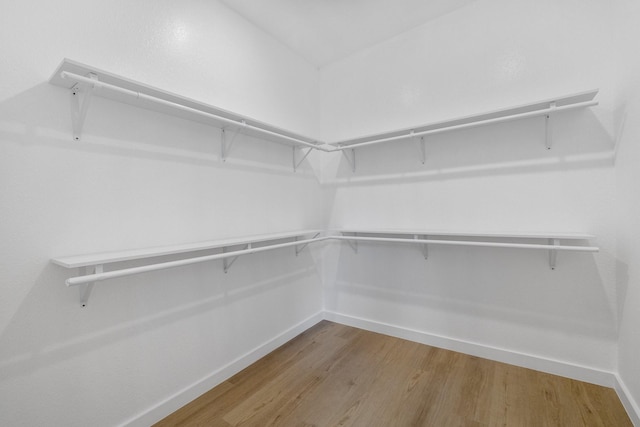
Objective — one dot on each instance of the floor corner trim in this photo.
(189, 393)
(551, 366)
(633, 410)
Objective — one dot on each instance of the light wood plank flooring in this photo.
(335, 375)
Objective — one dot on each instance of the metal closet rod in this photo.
(411, 134)
(140, 95)
(471, 243)
(97, 277)
(338, 146)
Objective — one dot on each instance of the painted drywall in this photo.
(628, 177)
(141, 179)
(485, 56)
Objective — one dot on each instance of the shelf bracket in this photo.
(548, 127)
(228, 262)
(225, 147)
(79, 107)
(421, 146)
(351, 160)
(553, 254)
(425, 248)
(354, 243)
(297, 163)
(85, 290)
(301, 248)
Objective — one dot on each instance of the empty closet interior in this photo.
(187, 187)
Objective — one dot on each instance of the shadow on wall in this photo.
(50, 326)
(579, 141)
(43, 113)
(505, 285)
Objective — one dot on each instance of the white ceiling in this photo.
(324, 31)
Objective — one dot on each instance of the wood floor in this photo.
(335, 375)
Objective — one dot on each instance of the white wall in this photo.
(628, 177)
(140, 179)
(488, 55)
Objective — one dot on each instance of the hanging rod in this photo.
(410, 134)
(97, 277)
(140, 95)
(469, 243)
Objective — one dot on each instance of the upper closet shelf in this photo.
(84, 80)
(537, 108)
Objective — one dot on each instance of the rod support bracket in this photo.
(228, 262)
(424, 246)
(79, 107)
(548, 139)
(300, 248)
(553, 254)
(225, 146)
(351, 158)
(296, 162)
(352, 243)
(86, 289)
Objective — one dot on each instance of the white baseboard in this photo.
(186, 395)
(556, 367)
(627, 401)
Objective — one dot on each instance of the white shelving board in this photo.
(532, 109)
(472, 234)
(93, 264)
(128, 255)
(550, 241)
(83, 70)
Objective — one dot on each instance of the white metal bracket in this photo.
(225, 146)
(297, 163)
(228, 262)
(85, 290)
(423, 150)
(351, 160)
(548, 127)
(79, 108)
(352, 243)
(553, 254)
(425, 248)
(300, 248)
(421, 147)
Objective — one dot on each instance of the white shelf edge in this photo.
(539, 107)
(130, 255)
(110, 79)
(492, 234)
(197, 111)
(94, 263)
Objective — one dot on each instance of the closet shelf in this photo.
(84, 81)
(550, 241)
(532, 109)
(94, 263)
(545, 108)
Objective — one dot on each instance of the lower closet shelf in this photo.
(231, 249)
(513, 240)
(94, 264)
